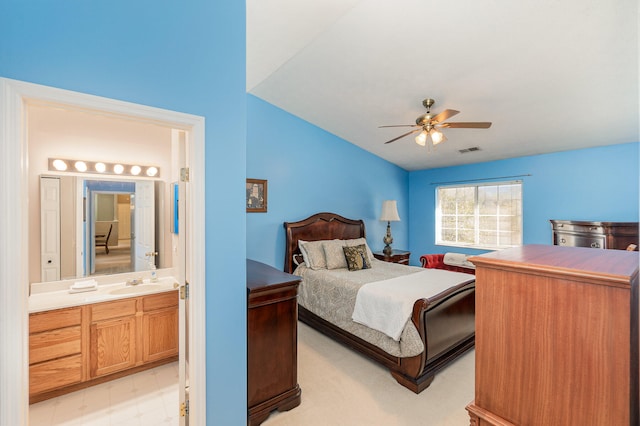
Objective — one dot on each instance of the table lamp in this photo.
(389, 214)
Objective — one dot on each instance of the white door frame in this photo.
(14, 273)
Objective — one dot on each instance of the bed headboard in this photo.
(320, 226)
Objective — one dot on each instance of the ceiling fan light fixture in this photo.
(426, 125)
(421, 139)
(437, 136)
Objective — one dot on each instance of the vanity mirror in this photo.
(101, 226)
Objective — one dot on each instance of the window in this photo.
(487, 216)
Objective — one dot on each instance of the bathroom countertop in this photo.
(57, 299)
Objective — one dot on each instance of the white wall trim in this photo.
(196, 264)
(14, 385)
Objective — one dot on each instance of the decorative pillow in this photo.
(298, 258)
(357, 242)
(357, 257)
(334, 254)
(313, 254)
(457, 259)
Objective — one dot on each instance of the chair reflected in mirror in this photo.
(103, 240)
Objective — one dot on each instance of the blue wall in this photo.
(182, 56)
(599, 184)
(310, 171)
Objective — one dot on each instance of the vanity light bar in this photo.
(100, 167)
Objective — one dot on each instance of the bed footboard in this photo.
(446, 327)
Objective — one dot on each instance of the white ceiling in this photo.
(552, 75)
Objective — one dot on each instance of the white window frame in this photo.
(476, 244)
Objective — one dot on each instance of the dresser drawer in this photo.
(575, 240)
(579, 227)
(54, 374)
(159, 301)
(108, 310)
(396, 256)
(50, 320)
(54, 344)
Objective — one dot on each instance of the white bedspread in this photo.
(387, 305)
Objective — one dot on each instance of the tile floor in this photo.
(146, 398)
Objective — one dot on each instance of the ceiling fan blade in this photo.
(400, 125)
(406, 134)
(467, 125)
(444, 115)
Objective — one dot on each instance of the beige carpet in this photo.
(117, 261)
(341, 387)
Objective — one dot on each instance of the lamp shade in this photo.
(389, 211)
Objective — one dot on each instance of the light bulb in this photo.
(437, 136)
(152, 171)
(421, 139)
(135, 170)
(118, 169)
(60, 165)
(100, 167)
(80, 166)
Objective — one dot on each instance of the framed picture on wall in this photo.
(256, 196)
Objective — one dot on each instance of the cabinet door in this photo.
(113, 345)
(160, 337)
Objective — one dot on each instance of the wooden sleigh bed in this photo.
(445, 324)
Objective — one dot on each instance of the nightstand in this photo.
(397, 256)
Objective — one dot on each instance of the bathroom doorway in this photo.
(16, 98)
(111, 215)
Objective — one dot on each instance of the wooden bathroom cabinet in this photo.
(73, 348)
(112, 336)
(159, 327)
(56, 357)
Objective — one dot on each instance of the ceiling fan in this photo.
(429, 125)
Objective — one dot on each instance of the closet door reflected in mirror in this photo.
(50, 228)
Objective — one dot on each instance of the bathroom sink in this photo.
(140, 288)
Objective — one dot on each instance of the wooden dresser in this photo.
(272, 341)
(556, 337)
(603, 235)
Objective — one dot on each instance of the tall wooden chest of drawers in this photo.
(603, 235)
(272, 341)
(556, 337)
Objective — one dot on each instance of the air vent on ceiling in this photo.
(472, 149)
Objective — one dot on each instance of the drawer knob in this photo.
(562, 240)
(595, 245)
